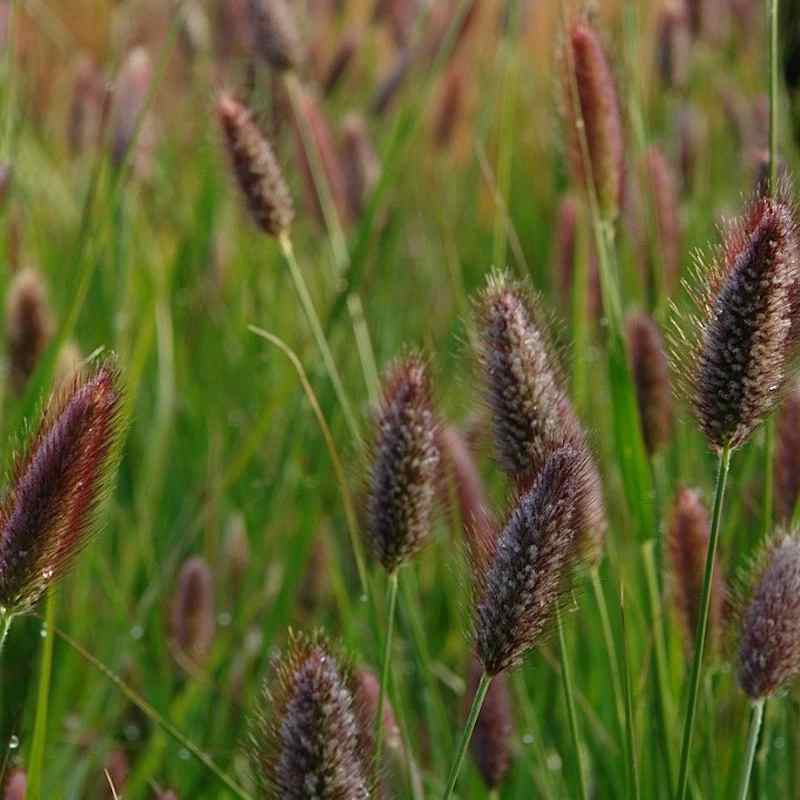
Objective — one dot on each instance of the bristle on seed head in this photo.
(404, 465)
(744, 333)
(57, 485)
(769, 646)
(255, 167)
(312, 741)
(529, 571)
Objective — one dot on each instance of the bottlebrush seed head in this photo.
(596, 106)
(687, 543)
(651, 376)
(745, 332)
(192, 619)
(769, 648)
(275, 33)
(50, 508)
(662, 188)
(29, 325)
(129, 103)
(313, 743)
(532, 562)
(404, 465)
(256, 168)
(673, 45)
(491, 741)
(787, 456)
(361, 166)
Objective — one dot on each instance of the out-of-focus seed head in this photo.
(130, 96)
(389, 85)
(491, 743)
(192, 619)
(29, 325)
(743, 334)
(16, 785)
(69, 366)
(114, 775)
(532, 563)
(687, 543)
(312, 741)
(594, 109)
(57, 486)
(361, 166)
(342, 58)
(275, 34)
(662, 189)
(450, 108)
(315, 582)
(235, 552)
(692, 136)
(566, 248)
(88, 106)
(651, 376)
(787, 456)
(399, 16)
(6, 173)
(368, 689)
(404, 465)
(769, 646)
(255, 167)
(673, 45)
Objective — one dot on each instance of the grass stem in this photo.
(391, 603)
(756, 717)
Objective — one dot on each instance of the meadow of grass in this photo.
(247, 443)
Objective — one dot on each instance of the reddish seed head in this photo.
(367, 692)
(596, 106)
(50, 507)
(746, 327)
(29, 325)
(275, 34)
(663, 191)
(404, 466)
(532, 563)
(451, 106)
(16, 785)
(491, 741)
(88, 106)
(769, 649)
(687, 543)
(787, 456)
(192, 614)
(131, 90)
(651, 376)
(673, 45)
(313, 742)
(360, 164)
(256, 168)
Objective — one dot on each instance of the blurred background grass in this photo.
(152, 256)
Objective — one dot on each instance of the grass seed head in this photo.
(275, 34)
(57, 485)
(787, 455)
(192, 613)
(404, 465)
(255, 167)
(769, 647)
(361, 166)
(662, 188)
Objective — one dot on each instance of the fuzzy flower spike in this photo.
(57, 486)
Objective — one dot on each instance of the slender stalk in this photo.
(756, 716)
(702, 622)
(566, 677)
(469, 727)
(391, 602)
(630, 733)
(319, 335)
(5, 625)
(772, 18)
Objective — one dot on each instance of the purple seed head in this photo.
(129, 103)
(29, 326)
(533, 560)
(404, 465)
(595, 110)
(57, 485)
(361, 166)
(192, 613)
(255, 167)
(662, 188)
(491, 743)
(651, 377)
(787, 455)
(312, 741)
(769, 647)
(744, 333)
(275, 34)
(16, 786)
(673, 45)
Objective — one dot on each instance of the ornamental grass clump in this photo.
(311, 740)
(57, 485)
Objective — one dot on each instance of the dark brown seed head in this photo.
(389, 85)
(662, 189)
(29, 325)
(313, 742)
(769, 649)
(746, 330)
(341, 61)
(651, 376)
(692, 135)
(16, 785)
(192, 619)
(275, 34)
(256, 168)
(687, 543)
(673, 45)
(595, 110)
(787, 456)
(361, 166)
(491, 742)
(404, 465)
(532, 563)
(57, 485)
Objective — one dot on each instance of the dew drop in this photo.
(137, 631)
(13, 743)
(224, 619)
(43, 631)
(132, 732)
(554, 762)
(184, 754)
(527, 739)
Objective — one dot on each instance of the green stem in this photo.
(752, 740)
(472, 719)
(391, 602)
(772, 14)
(566, 678)
(702, 622)
(5, 625)
(630, 735)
